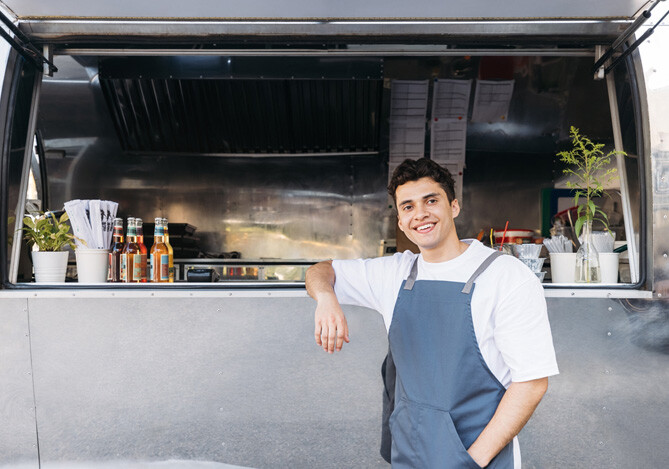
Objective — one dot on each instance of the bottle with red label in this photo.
(139, 226)
(116, 251)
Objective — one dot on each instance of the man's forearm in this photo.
(513, 412)
(320, 279)
(331, 329)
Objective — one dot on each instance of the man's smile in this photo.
(425, 227)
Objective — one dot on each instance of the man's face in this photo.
(425, 215)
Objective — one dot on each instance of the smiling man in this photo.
(467, 330)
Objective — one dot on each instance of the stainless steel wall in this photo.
(120, 382)
(323, 206)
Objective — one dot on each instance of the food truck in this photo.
(265, 133)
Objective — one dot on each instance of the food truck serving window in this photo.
(260, 176)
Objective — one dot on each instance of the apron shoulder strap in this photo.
(411, 279)
(484, 265)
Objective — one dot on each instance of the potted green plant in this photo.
(48, 235)
(590, 169)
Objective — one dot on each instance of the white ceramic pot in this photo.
(563, 267)
(50, 267)
(608, 265)
(92, 265)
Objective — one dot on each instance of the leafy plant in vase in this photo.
(49, 235)
(590, 168)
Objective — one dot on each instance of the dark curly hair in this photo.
(413, 170)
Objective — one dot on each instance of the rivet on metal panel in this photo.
(606, 372)
(601, 443)
(572, 293)
(34, 294)
(610, 309)
(153, 294)
(665, 255)
(608, 334)
(218, 310)
(74, 294)
(191, 294)
(113, 294)
(269, 293)
(230, 294)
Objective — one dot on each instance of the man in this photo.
(467, 328)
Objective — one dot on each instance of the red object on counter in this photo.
(513, 236)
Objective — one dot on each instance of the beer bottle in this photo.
(160, 258)
(131, 261)
(169, 249)
(115, 252)
(139, 224)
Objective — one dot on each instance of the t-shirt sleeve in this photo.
(372, 283)
(523, 334)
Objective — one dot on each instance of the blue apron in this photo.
(445, 394)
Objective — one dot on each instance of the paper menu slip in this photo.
(450, 98)
(492, 100)
(407, 138)
(408, 98)
(448, 140)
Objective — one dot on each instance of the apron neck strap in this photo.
(411, 279)
(484, 265)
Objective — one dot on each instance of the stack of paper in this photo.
(408, 109)
(92, 221)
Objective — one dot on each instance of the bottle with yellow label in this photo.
(131, 257)
(160, 256)
(169, 250)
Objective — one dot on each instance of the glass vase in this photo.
(587, 258)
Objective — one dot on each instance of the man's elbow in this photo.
(539, 388)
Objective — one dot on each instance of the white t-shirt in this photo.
(508, 304)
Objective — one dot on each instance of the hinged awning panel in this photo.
(325, 9)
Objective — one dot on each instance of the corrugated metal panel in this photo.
(245, 116)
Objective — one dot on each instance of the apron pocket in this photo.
(426, 437)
